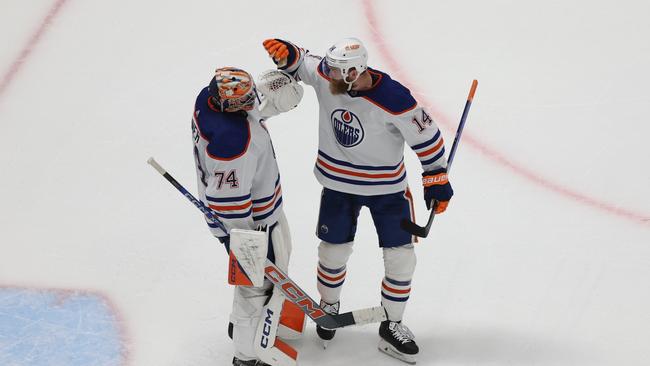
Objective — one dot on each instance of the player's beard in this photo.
(338, 87)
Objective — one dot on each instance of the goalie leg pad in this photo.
(268, 347)
(292, 319)
(281, 242)
(399, 266)
(248, 303)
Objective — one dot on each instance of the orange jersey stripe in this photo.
(409, 197)
(425, 153)
(275, 197)
(363, 175)
(231, 208)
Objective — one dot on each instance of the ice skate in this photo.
(398, 341)
(325, 334)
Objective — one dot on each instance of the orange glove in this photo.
(278, 50)
(441, 206)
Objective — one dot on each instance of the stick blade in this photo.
(369, 315)
(414, 229)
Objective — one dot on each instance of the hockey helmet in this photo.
(343, 56)
(232, 89)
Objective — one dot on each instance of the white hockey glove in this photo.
(280, 92)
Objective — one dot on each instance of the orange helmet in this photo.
(233, 89)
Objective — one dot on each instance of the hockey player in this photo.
(365, 118)
(238, 179)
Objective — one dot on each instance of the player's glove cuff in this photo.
(436, 177)
(437, 188)
(285, 54)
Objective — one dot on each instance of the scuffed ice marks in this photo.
(57, 328)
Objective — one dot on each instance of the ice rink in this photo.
(543, 257)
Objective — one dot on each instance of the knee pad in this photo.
(399, 262)
(334, 255)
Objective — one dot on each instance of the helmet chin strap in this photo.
(345, 79)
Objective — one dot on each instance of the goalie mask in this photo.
(232, 90)
(344, 56)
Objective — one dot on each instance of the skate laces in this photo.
(401, 332)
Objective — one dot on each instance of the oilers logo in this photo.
(347, 128)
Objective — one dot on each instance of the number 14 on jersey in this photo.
(423, 122)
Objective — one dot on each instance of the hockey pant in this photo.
(399, 266)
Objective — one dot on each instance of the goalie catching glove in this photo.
(280, 92)
(437, 188)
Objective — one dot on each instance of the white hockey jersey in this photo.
(237, 173)
(362, 133)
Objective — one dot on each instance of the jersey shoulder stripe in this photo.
(386, 93)
(228, 134)
(389, 95)
(319, 69)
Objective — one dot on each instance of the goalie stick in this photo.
(423, 231)
(281, 281)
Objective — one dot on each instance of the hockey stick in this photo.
(423, 231)
(281, 281)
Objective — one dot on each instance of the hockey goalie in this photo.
(239, 180)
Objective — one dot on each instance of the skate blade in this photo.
(388, 349)
(325, 344)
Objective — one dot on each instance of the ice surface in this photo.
(57, 328)
(534, 263)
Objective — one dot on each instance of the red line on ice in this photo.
(35, 38)
(7, 78)
(490, 152)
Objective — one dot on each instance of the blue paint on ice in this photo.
(55, 328)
